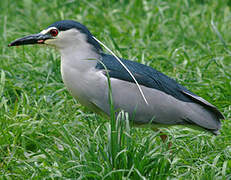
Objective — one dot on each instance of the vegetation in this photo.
(46, 134)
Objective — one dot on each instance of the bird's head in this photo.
(61, 34)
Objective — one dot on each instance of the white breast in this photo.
(83, 85)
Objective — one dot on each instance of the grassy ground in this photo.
(46, 134)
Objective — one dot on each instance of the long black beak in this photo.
(31, 39)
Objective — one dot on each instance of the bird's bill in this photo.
(31, 39)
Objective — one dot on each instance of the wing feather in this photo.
(152, 78)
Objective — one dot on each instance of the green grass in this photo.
(46, 134)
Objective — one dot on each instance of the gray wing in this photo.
(206, 104)
(145, 76)
(176, 100)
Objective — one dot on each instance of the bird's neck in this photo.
(81, 57)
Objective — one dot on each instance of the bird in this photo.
(149, 97)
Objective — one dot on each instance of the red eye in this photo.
(53, 32)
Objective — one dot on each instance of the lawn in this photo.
(46, 134)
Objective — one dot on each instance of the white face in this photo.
(65, 39)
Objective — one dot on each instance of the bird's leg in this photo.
(163, 137)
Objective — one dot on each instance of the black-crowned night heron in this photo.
(160, 101)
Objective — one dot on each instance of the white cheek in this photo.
(68, 35)
(50, 41)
